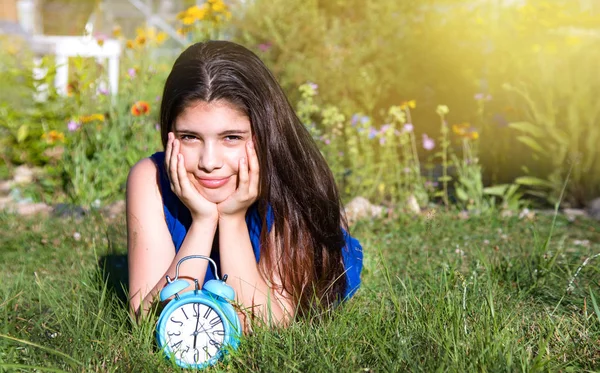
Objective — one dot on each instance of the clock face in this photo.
(194, 333)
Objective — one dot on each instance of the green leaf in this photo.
(461, 194)
(533, 181)
(531, 143)
(496, 190)
(445, 178)
(595, 304)
(528, 128)
(22, 133)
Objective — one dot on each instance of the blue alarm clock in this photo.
(197, 327)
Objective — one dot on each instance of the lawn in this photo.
(439, 293)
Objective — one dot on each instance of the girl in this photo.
(241, 181)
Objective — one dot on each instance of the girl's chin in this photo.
(216, 195)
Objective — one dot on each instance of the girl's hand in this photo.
(199, 207)
(247, 191)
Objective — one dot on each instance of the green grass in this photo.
(439, 294)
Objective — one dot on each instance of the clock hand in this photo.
(196, 330)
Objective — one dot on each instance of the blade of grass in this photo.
(31, 368)
(595, 304)
(50, 350)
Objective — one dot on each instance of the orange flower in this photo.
(53, 136)
(460, 129)
(140, 108)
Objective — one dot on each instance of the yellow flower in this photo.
(161, 37)
(474, 135)
(408, 104)
(100, 41)
(460, 129)
(91, 118)
(140, 40)
(53, 136)
(117, 32)
(130, 44)
(219, 7)
(188, 20)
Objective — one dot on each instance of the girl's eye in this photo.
(187, 137)
(233, 138)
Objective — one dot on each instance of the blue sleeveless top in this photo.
(178, 221)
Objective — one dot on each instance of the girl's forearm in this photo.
(198, 241)
(239, 263)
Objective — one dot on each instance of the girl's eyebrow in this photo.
(233, 132)
(223, 133)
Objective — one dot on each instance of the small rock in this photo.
(5, 186)
(526, 214)
(23, 175)
(593, 208)
(5, 202)
(28, 209)
(360, 208)
(573, 214)
(113, 210)
(63, 210)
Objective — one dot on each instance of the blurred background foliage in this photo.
(519, 78)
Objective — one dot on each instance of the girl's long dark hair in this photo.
(306, 253)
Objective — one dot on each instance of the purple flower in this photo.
(157, 98)
(314, 86)
(372, 133)
(73, 126)
(482, 97)
(382, 141)
(264, 47)
(327, 141)
(131, 72)
(365, 119)
(354, 120)
(385, 127)
(428, 143)
(103, 91)
(408, 127)
(431, 184)
(157, 127)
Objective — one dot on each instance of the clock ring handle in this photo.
(194, 257)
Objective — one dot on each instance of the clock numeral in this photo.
(176, 345)
(184, 314)
(214, 343)
(183, 352)
(215, 321)
(196, 355)
(207, 313)
(218, 332)
(196, 307)
(174, 334)
(205, 348)
(176, 321)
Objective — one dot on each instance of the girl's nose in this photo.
(210, 158)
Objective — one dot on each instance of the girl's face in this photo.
(213, 139)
